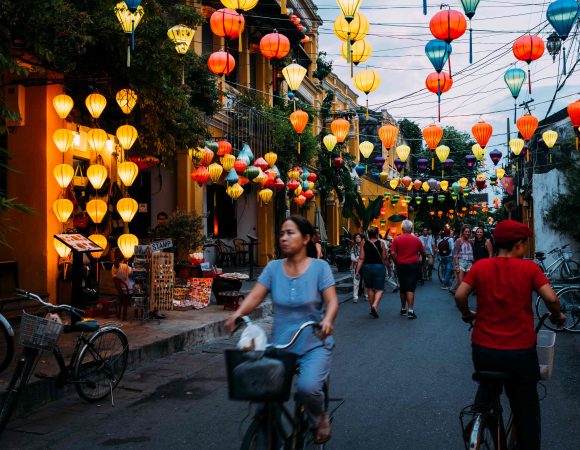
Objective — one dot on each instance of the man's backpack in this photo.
(443, 247)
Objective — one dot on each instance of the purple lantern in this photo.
(379, 162)
(470, 161)
(432, 183)
(495, 156)
(448, 164)
(399, 164)
(422, 164)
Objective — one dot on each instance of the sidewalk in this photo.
(149, 340)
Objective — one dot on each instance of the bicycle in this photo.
(486, 428)
(97, 364)
(569, 296)
(569, 269)
(266, 377)
(6, 343)
(441, 272)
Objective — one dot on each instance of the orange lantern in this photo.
(388, 134)
(224, 147)
(340, 128)
(528, 48)
(432, 135)
(274, 46)
(482, 132)
(439, 83)
(527, 125)
(240, 166)
(299, 120)
(574, 113)
(222, 64)
(200, 175)
(300, 200)
(206, 157)
(228, 24)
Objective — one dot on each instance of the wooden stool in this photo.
(231, 299)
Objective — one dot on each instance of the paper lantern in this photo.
(200, 175)
(351, 31)
(271, 158)
(240, 5)
(394, 183)
(206, 157)
(127, 208)
(221, 63)
(383, 177)
(442, 152)
(403, 152)
(215, 172)
(294, 74)
(337, 162)
(349, 8)
(438, 83)
(265, 195)
(444, 184)
(366, 148)
(181, 36)
(482, 132)
(127, 243)
(240, 166)
(96, 209)
(299, 120)
(448, 25)
(398, 164)
(329, 142)
(61, 248)
(62, 208)
(227, 23)
(528, 48)
(63, 105)
(340, 128)
(367, 81)
(463, 182)
(432, 135)
(422, 164)
(477, 151)
(360, 51)
(495, 156)
(127, 172)
(388, 134)
(470, 160)
(97, 175)
(95, 103)
(499, 172)
(63, 139)
(97, 139)
(261, 163)
(527, 125)
(438, 52)
(101, 241)
(63, 173)
(574, 113)
(300, 200)
(274, 46)
(228, 162)
(126, 99)
(550, 137)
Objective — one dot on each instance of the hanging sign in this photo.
(161, 245)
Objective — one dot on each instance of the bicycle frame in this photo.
(555, 265)
(65, 376)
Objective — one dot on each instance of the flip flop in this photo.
(323, 432)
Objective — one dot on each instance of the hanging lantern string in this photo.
(470, 45)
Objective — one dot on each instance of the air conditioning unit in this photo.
(15, 101)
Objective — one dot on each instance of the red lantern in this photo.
(299, 120)
(240, 166)
(227, 23)
(439, 83)
(279, 185)
(388, 135)
(221, 63)
(261, 163)
(308, 194)
(448, 25)
(340, 129)
(312, 177)
(242, 180)
(295, 19)
(337, 162)
(432, 135)
(574, 113)
(224, 147)
(300, 200)
(527, 125)
(274, 46)
(528, 48)
(206, 157)
(292, 184)
(383, 211)
(482, 132)
(200, 175)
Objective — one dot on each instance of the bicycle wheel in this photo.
(256, 437)
(570, 270)
(17, 384)
(484, 433)
(101, 364)
(6, 347)
(570, 305)
(441, 272)
(542, 309)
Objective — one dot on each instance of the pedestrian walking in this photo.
(391, 278)
(428, 242)
(371, 264)
(462, 255)
(445, 251)
(405, 251)
(358, 284)
(482, 247)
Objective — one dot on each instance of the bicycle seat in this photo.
(489, 376)
(540, 256)
(85, 326)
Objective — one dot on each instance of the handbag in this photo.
(79, 179)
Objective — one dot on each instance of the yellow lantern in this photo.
(96, 209)
(62, 249)
(235, 191)
(394, 183)
(425, 186)
(270, 158)
(63, 105)
(62, 208)
(294, 74)
(127, 208)
(215, 172)
(240, 5)
(516, 146)
(366, 148)
(298, 191)
(101, 241)
(360, 51)
(127, 243)
(294, 174)
(367, 81)
(127, 135)
(127, 172)
(96, 103)
(64, 174)
(444, 184)
(463, 182)
(351, 31)
(265, 195)
(97, 175)
(128, 20)
(63, 139)
(126, 99)
(311, 185)
(383, 177)
(478, 151)
(228, 162)
(442, 152)
(550, 137)
(97, 139)
(329, 142)
(349, 8)
(260, 178)
(403, 152)
(181, 36)
(499, 173)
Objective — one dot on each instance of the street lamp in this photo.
(554, 45)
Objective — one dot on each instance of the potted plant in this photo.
(185, 229)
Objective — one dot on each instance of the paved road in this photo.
(403, 382)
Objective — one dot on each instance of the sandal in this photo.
(323, 432)
(374, 312)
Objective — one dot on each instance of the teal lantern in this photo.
(232, 177)
(438, 52)
(247, 152)
(454, 196)
(562, 15)
(515, 78)
(469, 7)
(456, 188)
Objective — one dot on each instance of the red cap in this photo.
(510, 230)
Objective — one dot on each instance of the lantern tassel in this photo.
(449, 63)
(439, 107)
(367, 116)
(283, 9)
(274, 75)
(183, 74)
(515, 111)
(240, 41)
(298, 144)
(550, 158)
(128, 55)
(470, 43)
(563, 60)
(424, 7)
(529, 80)
(576, 143)
(432, 163)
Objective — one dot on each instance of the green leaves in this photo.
(354, 208)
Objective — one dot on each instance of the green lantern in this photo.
(418, 200)
(441, 198)
(394, 201)
(387, 195)
(454, 196)
(466, 193)
(212, 145)
(396, 197)
(456, 187)
(408, 198)
(383, 223)
(430, 199)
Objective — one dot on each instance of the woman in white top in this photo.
(122, 270)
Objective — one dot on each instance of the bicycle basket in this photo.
(260, 376)
(38, 332)
(567, 256)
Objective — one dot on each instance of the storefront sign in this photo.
(161, 245)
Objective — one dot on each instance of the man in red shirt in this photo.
(405, 251)
(503, 336)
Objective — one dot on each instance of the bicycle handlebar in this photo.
(32, 296)
(315, 325)
(558, 249)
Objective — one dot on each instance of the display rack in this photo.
(162, 281)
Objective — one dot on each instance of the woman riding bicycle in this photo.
(302, 289)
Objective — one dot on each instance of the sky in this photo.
(398, 34)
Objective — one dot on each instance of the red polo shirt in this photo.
(504, 286)
(407, 247)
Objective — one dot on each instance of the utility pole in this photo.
(526, 105)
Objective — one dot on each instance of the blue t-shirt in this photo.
(297, 300)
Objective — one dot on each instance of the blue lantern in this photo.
(132, 5)
(360, 170)
(232, 177)
(469, 7)
(438, 52)
(562, 15)
(515, 78)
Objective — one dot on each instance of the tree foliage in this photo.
(323, 66)
(412, 133)
(354, 208)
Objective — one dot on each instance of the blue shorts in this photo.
(374, 276)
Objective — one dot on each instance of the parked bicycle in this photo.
(266, 377)
(569, 296)
(483, 426)
(96, 366)
(569, 269)
(6, 343)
